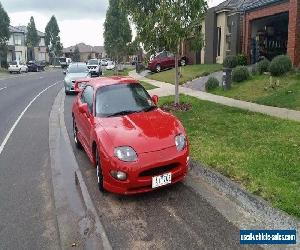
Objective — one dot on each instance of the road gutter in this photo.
(78, 221)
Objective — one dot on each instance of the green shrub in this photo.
(230, 62)
(205, 73)
(254, 70)
(263, 66)
(211, 83)
(280, 65)
(240, 73)
(242, 59)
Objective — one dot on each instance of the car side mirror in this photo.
(155, 99)
(83, 108)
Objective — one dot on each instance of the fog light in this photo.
(118, 175)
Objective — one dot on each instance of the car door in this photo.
(85, 120)
(163, 60)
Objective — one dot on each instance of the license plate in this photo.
(161, 180)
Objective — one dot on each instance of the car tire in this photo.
(19, 71)
(75, 131)
(182, 62)
(158, 68)
(99, 173)
(67, 92)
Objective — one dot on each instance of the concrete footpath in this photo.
(166, 89)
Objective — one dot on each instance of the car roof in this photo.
(112, 80)
(74, 64)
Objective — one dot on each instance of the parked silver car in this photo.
(74, 72)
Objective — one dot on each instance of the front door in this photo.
(85, 124)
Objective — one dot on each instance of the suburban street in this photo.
(164, 124)
(175, 217)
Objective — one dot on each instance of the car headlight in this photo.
(180, 142)
(125, 153)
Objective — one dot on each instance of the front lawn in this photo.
(124, 72)
(261, 153)
(281, 92)
(188, 73)
(147, 86)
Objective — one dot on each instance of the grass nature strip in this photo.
(188, 73)
(260, 152)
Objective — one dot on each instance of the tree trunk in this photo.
(176, 80)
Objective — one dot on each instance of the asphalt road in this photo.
(171, 218)
(27, 213)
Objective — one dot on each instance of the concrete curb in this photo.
(257, 207)
(81, 222)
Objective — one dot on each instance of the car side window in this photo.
(87, 97)
(170, 54)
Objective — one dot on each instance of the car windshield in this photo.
(14, 63)
(122, 99)
(77, 68)
(92, 62)
(62, 59)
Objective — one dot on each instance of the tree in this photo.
(4, 35)
(133, 47)
(166, 24)
(52, 38)
(76, 55)
(32, 37)
(117, 31)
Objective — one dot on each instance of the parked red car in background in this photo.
(165, 60)
(135, 146)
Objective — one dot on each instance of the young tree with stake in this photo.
(167, 23)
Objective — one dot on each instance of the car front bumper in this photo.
(148, 165)
(14, 69)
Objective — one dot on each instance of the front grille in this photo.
(158, 170)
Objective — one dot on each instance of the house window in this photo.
(219, 40)
(18, 39)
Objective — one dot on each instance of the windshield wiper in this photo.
(149, 108)
(124, 112)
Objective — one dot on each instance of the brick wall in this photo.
(294, 32)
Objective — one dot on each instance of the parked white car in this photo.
(17, 67)
(110, 65)
(103, 62)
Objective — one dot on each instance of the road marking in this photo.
(21, 115)
(3, 88)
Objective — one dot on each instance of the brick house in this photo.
(86, 51)
(257, 28)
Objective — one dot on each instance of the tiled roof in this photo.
(242, 5)
(24, 29)
(250, 4)
(84, 48)
(13, 29)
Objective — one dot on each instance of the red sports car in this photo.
(135, 146)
